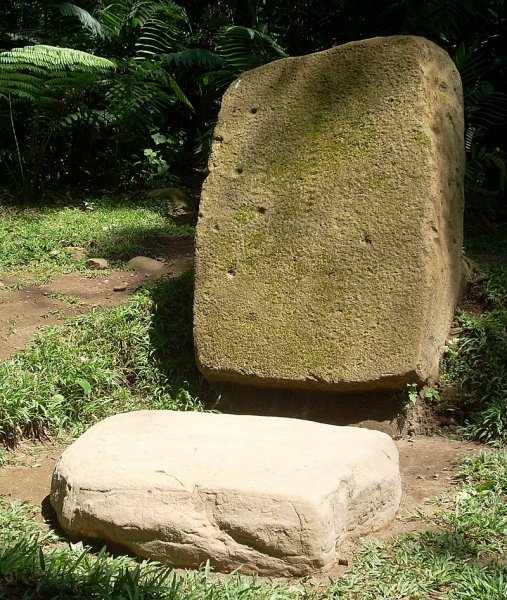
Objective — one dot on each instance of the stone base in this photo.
(273, 495)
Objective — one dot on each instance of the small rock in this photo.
(120, 287)
(343, 562)
(97, 263)
(294, 589)
(145, 264)
(54, 253)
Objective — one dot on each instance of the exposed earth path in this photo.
(23, 311)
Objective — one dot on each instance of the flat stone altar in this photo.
(273, 495)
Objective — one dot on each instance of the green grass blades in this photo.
(418, 567)
(136, 356)
(36, 565)
(461, 557)
(38, 243)
(476, 360)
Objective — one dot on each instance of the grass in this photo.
(461, 557)
(37, 243)
(476, 360)
(37, 564)
(138, 355)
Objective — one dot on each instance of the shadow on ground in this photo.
(172, 341)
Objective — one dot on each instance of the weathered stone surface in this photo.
(329, 238)
(97, 263)
(273, 494)
(145, 264)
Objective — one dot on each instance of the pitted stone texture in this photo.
(275, 495)
(329, 239)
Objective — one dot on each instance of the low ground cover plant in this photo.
(476, 361)
(138, 355)
(36, 243)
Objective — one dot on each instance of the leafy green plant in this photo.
(136, 356)
(412, 394)
(476, 360)
(164, 79)
(48, 85)
(485, 109)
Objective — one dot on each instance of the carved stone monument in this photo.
(329, 239)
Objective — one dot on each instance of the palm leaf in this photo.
(472, 65)
(243, 48)
(485, 106)
(161, 25)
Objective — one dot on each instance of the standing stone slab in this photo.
(275, 495)
(329, 238)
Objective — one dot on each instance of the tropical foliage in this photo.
(133, 99)
(150, 116)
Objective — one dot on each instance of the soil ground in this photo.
(24, 311)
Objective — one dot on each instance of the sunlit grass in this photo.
(37, 243)
(138, 355)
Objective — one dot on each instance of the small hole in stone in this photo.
(253, 111)
(239, 170)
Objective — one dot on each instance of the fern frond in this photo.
(243, 48)
(153, 25)
(42, 74)
(87, 20)
(154, 39)
(472, 65)
(194, 57)
(113, 16)
(140, 96)
(161, 25)
(53, 58)
(485, 106)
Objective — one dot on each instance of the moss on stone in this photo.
(324, 235)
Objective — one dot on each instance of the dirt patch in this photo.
(427, 469)
(24, 311)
